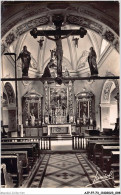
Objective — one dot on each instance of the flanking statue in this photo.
(92, 62)
(25, 56)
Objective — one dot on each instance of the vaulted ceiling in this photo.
(101, 23)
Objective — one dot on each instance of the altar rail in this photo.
(81, 142)
(78, 142)
(44, 141)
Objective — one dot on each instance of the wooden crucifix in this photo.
(58, 35)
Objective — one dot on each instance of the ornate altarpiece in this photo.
(32, 105)
(85, 109)
(58, 103)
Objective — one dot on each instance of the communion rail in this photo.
(78, 142)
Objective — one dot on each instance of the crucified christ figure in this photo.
(59, 52)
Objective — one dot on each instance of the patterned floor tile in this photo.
(51, 169)
(64, 164)
(63, 157)
(48, 183)
(78, 169)
(53, 160)
(64, 176)
(65, 171)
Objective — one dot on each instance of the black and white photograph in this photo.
(60, 96)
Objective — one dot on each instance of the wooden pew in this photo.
(23, 158)
(30, 148)
(100, 138)
(97, 149)
(37, 148)
(91, 144)
(14, 167)
(6, 179)
(106, 155)
(113, 165)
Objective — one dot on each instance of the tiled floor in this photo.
(64, 171)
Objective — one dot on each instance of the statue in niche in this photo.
(32, 119)
(25, 56)
(84, 118)
(92, 62)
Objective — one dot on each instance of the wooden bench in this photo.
(98, 149)
(114, 165)
(30, 148)
(37, 147)
(91, 144)
(14, 167)
(101, 138)
(106, 155)
(23, 158)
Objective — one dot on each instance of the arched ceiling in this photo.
(101, 23)
(19, 17)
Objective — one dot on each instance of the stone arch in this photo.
(106, 104)
(9, 116)
(10, 93)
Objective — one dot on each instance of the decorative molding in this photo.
(3, 47)
(10, 38)
(70, 99)
(31, 24)
(102, 30)
(82, 21)
(96, 14)
(109, 36)
(106, 91)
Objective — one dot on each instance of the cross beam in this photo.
(63, 78)
(81, 32)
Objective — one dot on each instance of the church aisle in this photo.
(66, 171)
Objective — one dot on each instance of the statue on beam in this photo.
(92, 62)
(25, 56)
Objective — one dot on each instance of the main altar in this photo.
(58, 111)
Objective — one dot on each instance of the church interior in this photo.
(60, 68)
